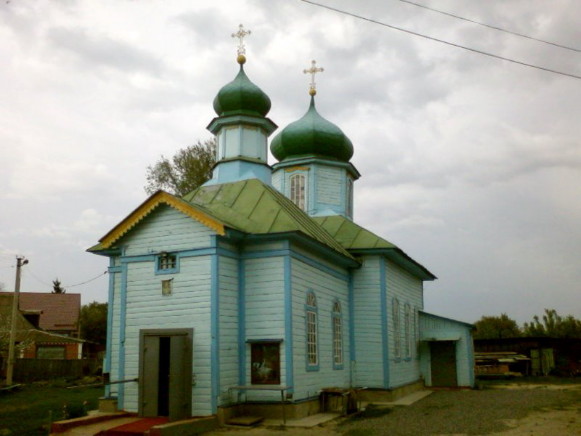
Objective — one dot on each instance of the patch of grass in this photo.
(28, 411)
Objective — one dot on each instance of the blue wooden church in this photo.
(259, 287)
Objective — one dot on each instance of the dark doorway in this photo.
(443, 363)
(165, 373)
(163, 382)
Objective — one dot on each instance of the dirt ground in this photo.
(504, 409)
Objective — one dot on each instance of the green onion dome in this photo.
(241, 97)
(312, 135)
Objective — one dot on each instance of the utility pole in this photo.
(20, 261)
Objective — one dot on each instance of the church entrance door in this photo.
(165, 373)
(443, 362)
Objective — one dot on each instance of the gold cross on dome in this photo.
(312, 71)
(241, 47)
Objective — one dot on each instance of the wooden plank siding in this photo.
(440, 328)
(264, 306)
(188, 306)
(327, 289)
(408, 289)
(228, 326)
(368, 369)
(330, 187)
(166, 229)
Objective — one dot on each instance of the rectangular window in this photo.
(166, 263)
(265, 363)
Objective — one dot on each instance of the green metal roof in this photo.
(256, 208)
(350, 235)
(356, 239)
(240, 97)
(312, 135)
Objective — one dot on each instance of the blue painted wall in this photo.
(434, 327)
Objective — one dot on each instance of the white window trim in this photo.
(312, 334)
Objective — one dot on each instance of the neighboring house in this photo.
(54, 313)
(260, 279)
(31, 342)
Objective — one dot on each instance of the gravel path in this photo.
(522, 410)
(467, 412)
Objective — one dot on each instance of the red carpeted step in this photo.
(137, 428)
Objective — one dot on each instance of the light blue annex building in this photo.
(259, 285)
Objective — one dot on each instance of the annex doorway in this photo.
(443, 363)
(165, 373)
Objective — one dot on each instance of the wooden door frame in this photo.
(143, 333)
(454, 344)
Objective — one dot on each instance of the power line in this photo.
(65, 286)
(41, 281)
(491, 26)
(85, 282)
(442, 41)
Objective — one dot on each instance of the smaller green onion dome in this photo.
(312, 135)
(241, 96)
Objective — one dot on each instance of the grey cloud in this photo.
(100, 51)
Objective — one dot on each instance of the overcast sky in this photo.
(472, 165)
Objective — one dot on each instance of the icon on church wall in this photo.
(265, 363)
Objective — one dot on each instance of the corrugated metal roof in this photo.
(355, 238)
(352, 236)
(253, 207)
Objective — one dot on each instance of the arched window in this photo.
(396, 329)
(337, 335)
(312, 333)
(407, 329)
(297, 190)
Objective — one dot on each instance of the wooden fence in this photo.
(29, 370)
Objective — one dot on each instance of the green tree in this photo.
(494, 327)
(93, 322)
(189, 168)
(57, 288)
(553, 325)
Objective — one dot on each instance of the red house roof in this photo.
(60, 312)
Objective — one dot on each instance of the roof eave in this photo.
(308, 242)
(399, 257)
